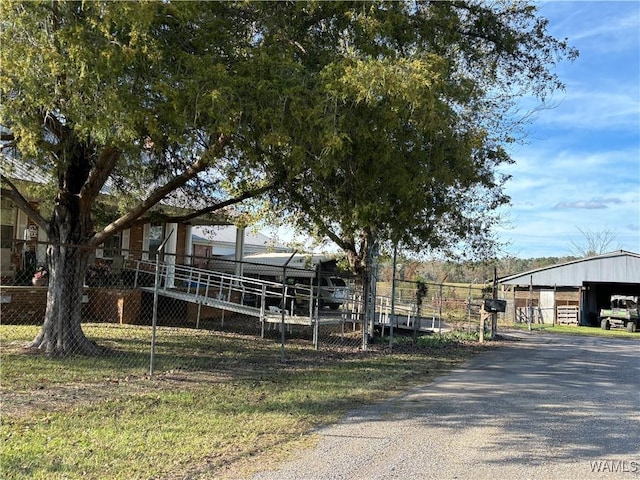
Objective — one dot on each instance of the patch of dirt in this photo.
(16, 404)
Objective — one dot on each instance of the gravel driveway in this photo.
(543, 407)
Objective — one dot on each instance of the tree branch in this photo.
(6, 136)
(322, 226)
(99, 175)
(22, 203)
(54, 125)
(345, 245)
(218, 206)
(131, 217)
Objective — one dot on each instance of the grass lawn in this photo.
(221, 405)
(577, 330)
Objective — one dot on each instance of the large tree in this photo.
(368, 120)
(593, 243)
(149, 102)
(419, 104)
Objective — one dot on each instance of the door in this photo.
(547, 306)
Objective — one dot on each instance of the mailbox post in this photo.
(490, 306)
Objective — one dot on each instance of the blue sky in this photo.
(580, 166)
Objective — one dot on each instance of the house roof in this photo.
(18, 169)
(615, 267)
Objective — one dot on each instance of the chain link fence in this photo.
(157, 312)
(437, 306)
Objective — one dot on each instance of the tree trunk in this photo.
(70, 231)
(61, 332)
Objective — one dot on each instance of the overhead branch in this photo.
(336, 239)
(54, 125)
(7, 137)
(132, 216)
(219, 206)
(321, 225)
(22, 203)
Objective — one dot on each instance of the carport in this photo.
(572, 292)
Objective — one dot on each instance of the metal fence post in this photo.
(284, 305)
(156, 289)
(393, 296)
(440, 310)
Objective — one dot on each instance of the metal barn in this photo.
(572, 292)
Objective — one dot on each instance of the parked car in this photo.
(333, 292)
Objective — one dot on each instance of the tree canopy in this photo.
(176, 102)
(366, 121)
(155, 97)
(418, 105)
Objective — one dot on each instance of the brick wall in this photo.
(135, 241)
(27, 305)
(180, 243)
(22, 305)
(205, 313)
(112, 305)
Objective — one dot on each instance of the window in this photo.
(155, 239)
(112, 246)
(7, 217)
(6, 236)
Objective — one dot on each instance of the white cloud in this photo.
(595, 110)
(581, 204)
(596, 27)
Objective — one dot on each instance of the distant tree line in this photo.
(437, 271)
(590, 244)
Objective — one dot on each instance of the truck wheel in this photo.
(604, 324)
(631, 327)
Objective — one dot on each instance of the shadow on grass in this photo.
(127, 351)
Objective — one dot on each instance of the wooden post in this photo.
(555, 305)
(483, 317)
(494, 295)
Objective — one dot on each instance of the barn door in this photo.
(547, 306)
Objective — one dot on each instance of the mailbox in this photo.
(494, 306)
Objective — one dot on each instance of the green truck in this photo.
(623, 312)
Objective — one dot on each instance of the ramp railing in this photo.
(252, 296)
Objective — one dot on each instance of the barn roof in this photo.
(614, 267)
